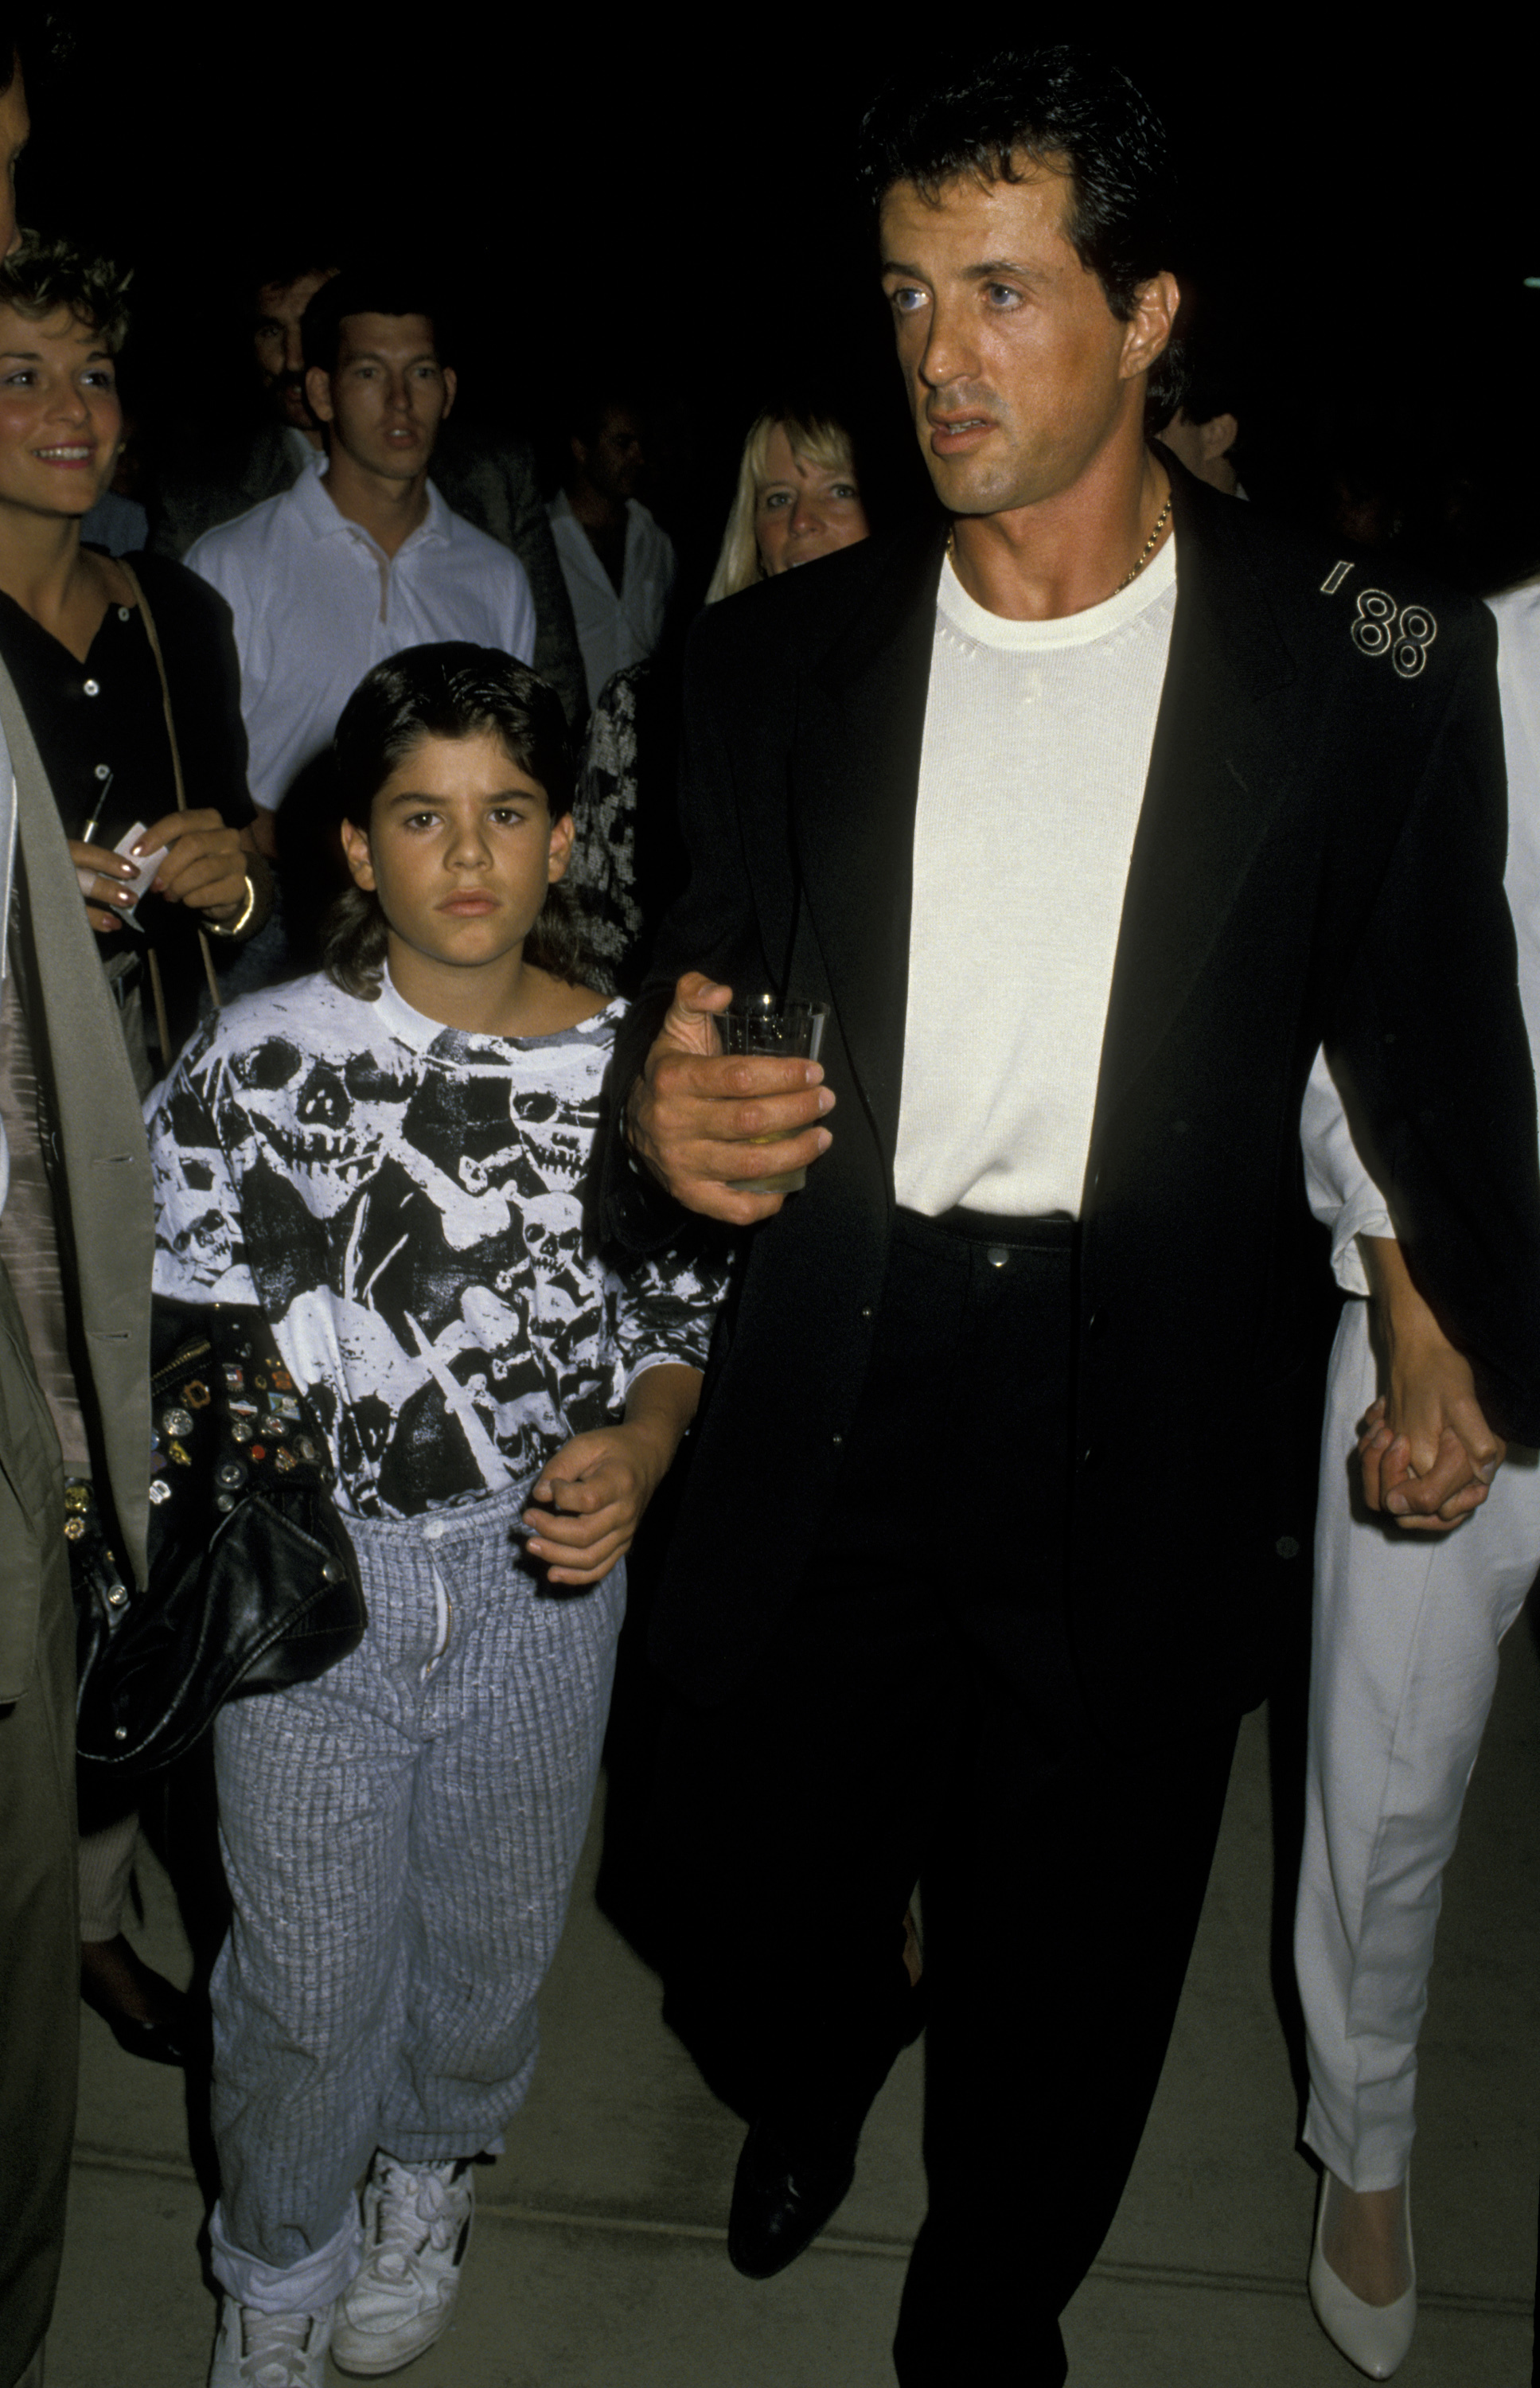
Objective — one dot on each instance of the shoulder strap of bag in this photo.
(147, 617)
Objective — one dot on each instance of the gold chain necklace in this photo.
(1149, 547)
(1130, 576)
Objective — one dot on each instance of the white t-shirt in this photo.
(1036, 748)
(317, 602)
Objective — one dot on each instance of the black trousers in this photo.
(919, 1718)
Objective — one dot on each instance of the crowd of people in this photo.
(379, 869)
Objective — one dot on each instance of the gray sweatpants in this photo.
(400, 1838)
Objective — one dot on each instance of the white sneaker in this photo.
(416, 2227)
(257, 2350)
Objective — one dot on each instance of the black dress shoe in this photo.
(780, 2204)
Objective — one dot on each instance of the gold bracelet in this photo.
(234, 927)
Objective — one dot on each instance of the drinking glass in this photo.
(790, 1031)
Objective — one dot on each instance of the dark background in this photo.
(662, 201)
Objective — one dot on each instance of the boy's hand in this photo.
(590, 1501)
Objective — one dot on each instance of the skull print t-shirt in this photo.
(410, 1207)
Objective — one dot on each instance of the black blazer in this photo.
(1318, 858)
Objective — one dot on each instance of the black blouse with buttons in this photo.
(100, 727)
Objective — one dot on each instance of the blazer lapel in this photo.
(855, 781)
(1213, 786)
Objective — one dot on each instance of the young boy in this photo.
(390, 1159)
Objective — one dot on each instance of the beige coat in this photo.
(108, 1223)
(109, 1216)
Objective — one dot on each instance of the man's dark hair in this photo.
(366, 291)
(32, 36)
(278, 268)
(1019, 110)
(1212, 389)
(449, 689)
(585, 410)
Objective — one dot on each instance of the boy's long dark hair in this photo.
(450, 689)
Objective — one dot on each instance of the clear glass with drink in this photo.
(789, 1032)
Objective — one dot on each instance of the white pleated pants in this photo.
(1403, 1670)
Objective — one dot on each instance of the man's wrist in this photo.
(1413, 1336)
(1407, 1320)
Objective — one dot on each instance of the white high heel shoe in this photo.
(1373, 2337)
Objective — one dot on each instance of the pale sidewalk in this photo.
(599, 2258)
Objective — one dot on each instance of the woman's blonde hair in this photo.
(814, 439)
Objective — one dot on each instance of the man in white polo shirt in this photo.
(350, 567)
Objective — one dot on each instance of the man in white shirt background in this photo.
(618, 564)
(487, 474)
(351, 565)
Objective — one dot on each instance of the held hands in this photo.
(1430, 1476)
(695, 1113)
(1425, 1449)
(205, 867)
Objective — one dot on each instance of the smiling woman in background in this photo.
(75, 633)
(77, 641)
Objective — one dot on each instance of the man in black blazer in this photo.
(992, 1504)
